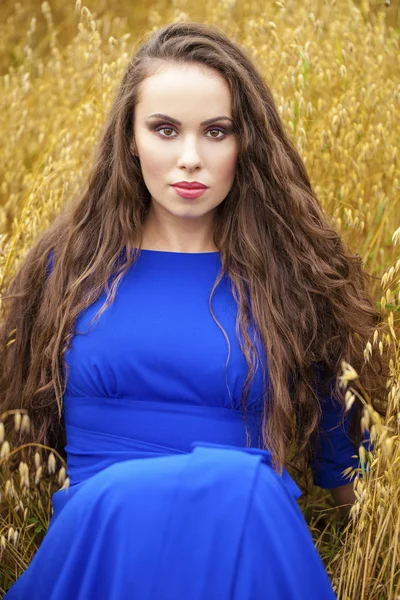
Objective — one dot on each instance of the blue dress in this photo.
(165, 500)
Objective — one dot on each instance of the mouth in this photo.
(190, 193)
(190, 185)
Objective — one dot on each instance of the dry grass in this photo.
(334, 71)
(25, 492)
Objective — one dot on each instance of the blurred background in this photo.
(334, 70)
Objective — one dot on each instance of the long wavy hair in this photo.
(291, 273)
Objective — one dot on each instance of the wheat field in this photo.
(334, 70)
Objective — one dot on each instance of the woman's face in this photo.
(191, 150)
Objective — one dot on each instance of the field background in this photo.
(334, 71)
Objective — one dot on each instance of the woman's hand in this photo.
(344, 497)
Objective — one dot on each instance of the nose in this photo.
(190, 155)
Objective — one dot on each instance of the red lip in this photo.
(190, 185)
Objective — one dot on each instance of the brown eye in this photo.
(167, 128)
(218, 131)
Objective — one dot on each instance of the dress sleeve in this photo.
(336, 452)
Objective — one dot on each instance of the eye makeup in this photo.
(159, 126)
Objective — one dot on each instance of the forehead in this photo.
(186, 92)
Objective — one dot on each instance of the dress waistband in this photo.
(104, 430)
(101, 431)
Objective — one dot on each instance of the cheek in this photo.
(226, 165)
(153, 157)
(154, 164)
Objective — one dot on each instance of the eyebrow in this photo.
(207, 122)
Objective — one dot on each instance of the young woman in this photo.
(179, 329)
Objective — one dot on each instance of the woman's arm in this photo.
(343, 497)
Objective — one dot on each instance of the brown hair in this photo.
(308, 293)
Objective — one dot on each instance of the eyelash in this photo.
(211, 129)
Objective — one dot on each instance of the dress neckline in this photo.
(180, 253)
